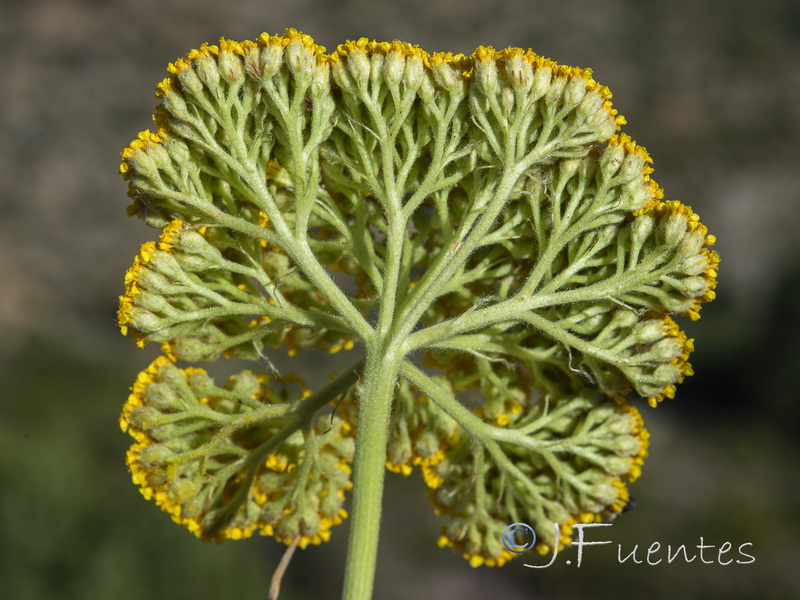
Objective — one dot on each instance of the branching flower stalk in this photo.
(477, 225)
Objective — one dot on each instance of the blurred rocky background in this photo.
(710, 87)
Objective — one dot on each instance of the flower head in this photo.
(225, 462)
(483, 214)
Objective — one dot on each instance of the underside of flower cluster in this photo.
(478, 226)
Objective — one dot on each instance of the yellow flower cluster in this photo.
(484, 210)
(205, 459)
(709, 273)
(680, 362)
(480, 557)
(145, 139)
(162, 303)
(134, 274)
(420, 434)
(642, 436)
(584, 488)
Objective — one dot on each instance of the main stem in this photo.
(374, 409)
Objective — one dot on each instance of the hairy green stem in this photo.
(375, 403)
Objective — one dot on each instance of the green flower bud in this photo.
(559, 514)
(144, 320)
(587, 170)
(289, 527)
(162, 433)
(230, 66)
(602, 414)
(448, 78)
(628, 446)
(154, 281)
(672, 229)
(178, 151)
(639, 194)
(695, 264)
(157, 479)
(691, 243)
(358, 65)
(166, 264)
(617, 465)
(569, 167)
(271, 61)
(193, 349)
(320, 85)
(606, 493)
(624, 319)
(155, 454)
(160, 156)
(183, 490)
(621, 425)
(427, 444)
(493, 544)
(376, 62)
(169, 373)
(604, 125)
(300, 61)
(642, 228)
(195, 262)
(414, 73)
(591, 109)
(226, 406)
(611, 160)
(153, 303)
(666, 374)
(542, 77)
(309, 522)
(208, 72)
(588, 324)
(342, 78)
(507, 100)
(400, 450)
(162, 397)
(245, 384)
(176, 105)
(521, 74)
(191, 82)
(574, 93)
(251, 62)
(192, 242)
(649, 332)
(556, 91)
(194, 506)
(144, 417)
(178, 445)
(144, 165)
(693, 286)
(631, 168)
(201, 384)
(666, 350)
(393, 68)
(330, 504)
(676, 304)
(486, 77)
(183, 130)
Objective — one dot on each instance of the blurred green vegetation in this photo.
(73, 525)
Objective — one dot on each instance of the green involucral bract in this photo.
(477, 225)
